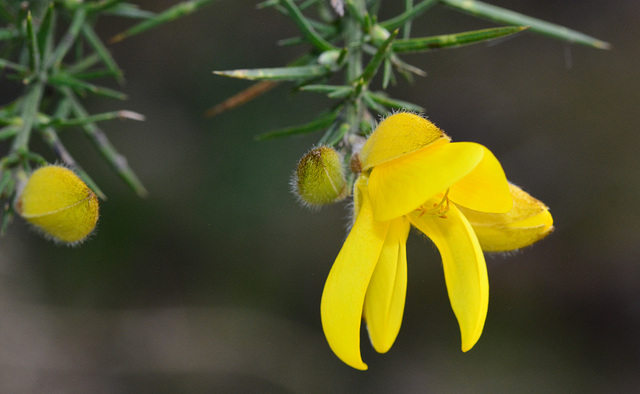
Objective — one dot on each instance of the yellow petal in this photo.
(527, 222)
(59, 203)
(485, 188)
(465, 271)
(384, 302)
(345, 289)
(397, 135)
(400, 186)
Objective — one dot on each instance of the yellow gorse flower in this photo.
(59, 204)
(412, 174)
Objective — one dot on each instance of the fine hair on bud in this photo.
(319, 178)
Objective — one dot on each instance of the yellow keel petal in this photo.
(400, 186)
(527, 222)
(384, 302)
(344, 292)
(465, 270)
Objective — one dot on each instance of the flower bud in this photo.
(527, 222)
(59, 204)
(398, 135)
(330, 58)
(379, 34)
(320, 177)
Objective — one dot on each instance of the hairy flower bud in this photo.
(59, 204)
(320, 177)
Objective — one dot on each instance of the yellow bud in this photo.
(59, 204)
(527, 222)
(320, 177)
(397, 135)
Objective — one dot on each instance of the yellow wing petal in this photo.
(384, 302)
(485, 188)
(465, 271)
(400, 186)
(345, 289)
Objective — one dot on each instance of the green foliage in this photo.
(57, 72)
(347, 38)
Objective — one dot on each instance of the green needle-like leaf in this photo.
(65, 80)
(408, 15)
(332, 91)
(34, 53)
(6, 182)
(46, 33)
(175, 12)
(95, 42)
(8, 34)
(319, 123)
(503, 15)
(14, 66)
(8, 132)
(97, 118)
(376, 61)
(119, 8)
(305, 27)
(373, 104)
(382, 98)
(104, 146)
(454, 40)
(277, 73)
(79, 18)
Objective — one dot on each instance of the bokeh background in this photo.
(213, 282)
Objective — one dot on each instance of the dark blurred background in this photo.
(213, 282)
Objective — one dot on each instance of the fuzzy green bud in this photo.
(320, 177)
